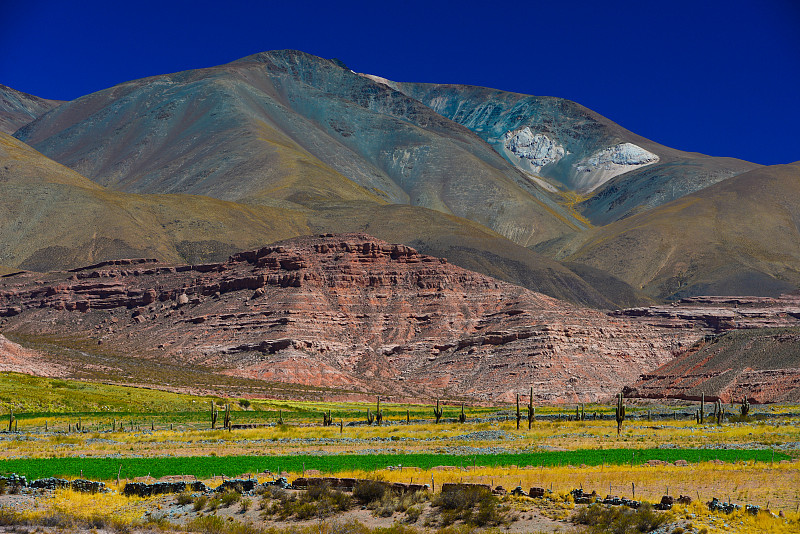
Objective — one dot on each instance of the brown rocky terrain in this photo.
(716, 314)
(17, 359)
(753, 349)
(347, 312)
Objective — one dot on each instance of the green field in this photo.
(206, 466)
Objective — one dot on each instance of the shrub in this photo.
(413, 513)
(200, 503)
(230, 497)
(213, 504)
(209, 524)
(368, 491)
(620, 520)
(244, 505)
(184, 498)
(316, 501)
(473, 506)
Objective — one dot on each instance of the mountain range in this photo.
(196, 166)
(304, 144)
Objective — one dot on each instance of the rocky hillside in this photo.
(763, 364)
(18, 109)
(738, 237)
(348, 312)
(196, 229)
(569, 148)
(290, 129)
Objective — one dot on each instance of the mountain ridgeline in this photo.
(538, 191)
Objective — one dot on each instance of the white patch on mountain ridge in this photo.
(609, 162)
(540, 149)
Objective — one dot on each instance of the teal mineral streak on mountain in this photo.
(562, 145)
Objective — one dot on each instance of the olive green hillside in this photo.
(738, 237)
(53, 218)
(289, 129)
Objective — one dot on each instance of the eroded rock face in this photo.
(348, 312)
(540, 149)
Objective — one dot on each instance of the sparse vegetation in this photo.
(620, 520)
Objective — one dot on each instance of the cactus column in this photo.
(531, 410)
(620, 413)
(437, 412)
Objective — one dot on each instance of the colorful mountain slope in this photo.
(18, 109)
(738, 237)
(290, 129)
(572, 148)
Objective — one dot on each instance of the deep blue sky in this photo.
(712, 76)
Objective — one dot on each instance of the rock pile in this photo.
(140, 489)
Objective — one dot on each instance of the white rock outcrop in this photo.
(607, 163)
(622, 154)
(540, 149)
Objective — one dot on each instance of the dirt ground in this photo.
(529, 519)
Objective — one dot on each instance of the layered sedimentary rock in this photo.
(716, 314)
(752, 348)
(348, 312)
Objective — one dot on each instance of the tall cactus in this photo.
(370, 417)
(10, 420)
(379, 413)
(531, 410)
(227, 421)
(745, 407)
(620, 414)
(437, 412)
(214, 415)
(462, 418)
(327, 420)
(518, 415)
(280, 417)
(719, 411)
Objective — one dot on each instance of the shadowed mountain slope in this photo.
(737, 237)
(18, 109)
(575, 149)
(290, 129)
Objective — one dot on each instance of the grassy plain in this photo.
(148, 433)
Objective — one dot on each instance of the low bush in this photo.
(230, 497)
(244, 505)
(316, 501)
(369, 491)
(184, 498)
(200, 503)
(620, 520)
(473, 506)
